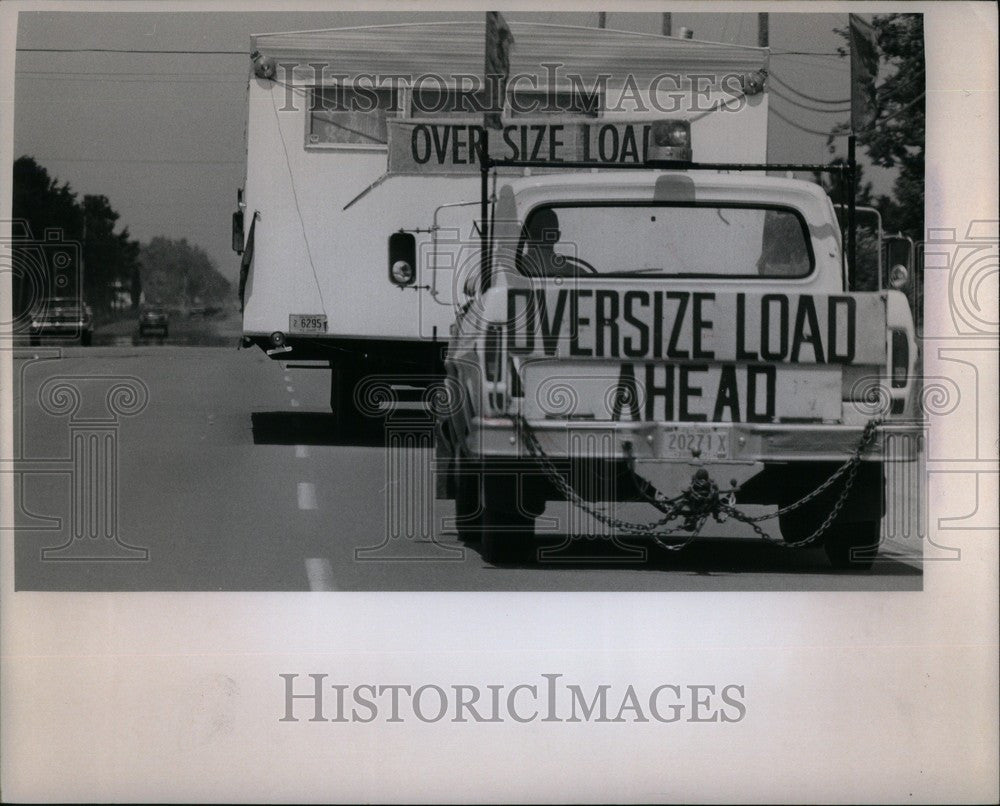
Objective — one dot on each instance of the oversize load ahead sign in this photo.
(693, 356)
(696, 325)
(453, 146)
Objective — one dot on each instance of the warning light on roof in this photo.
(670, 142)
(263, 66)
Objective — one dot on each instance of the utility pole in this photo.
(81, 280)
(667, 23)
(762, 30)
(602, 19)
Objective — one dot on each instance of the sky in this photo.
(162, 135)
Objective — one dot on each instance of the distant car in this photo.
(154, 319)
(63, 318)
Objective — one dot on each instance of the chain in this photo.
(701, 500)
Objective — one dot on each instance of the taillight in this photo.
(900, 358)
(491, 352)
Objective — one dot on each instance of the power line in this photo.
(888, 92)
(798, 126)
(822, 110)
(128, 80)
(130, 73)
(899, 111)
(839, 67)
(141, 161)
(136, 50)
(804, 53)
(814, 98)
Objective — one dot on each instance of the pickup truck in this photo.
(687, 338)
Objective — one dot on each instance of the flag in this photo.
(864, 68)
(499, 42)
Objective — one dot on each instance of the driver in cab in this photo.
(540, 258)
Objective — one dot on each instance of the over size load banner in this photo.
(418, 147)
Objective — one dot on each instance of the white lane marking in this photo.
(295, 403)
(307, 495)
(289, 388)
(319, 570)
(288, 379)
(301, 451)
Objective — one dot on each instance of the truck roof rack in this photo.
(670, 165)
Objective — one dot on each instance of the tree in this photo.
(175, 272)
(110, 258)
(43, 203)
(50, 214)
(896, 139)
(101, 257)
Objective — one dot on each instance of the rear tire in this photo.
(798, 525)
(508, 532)
(86, 338)
(851, 541)
(853, 546)
(344, 377)
(468, 505)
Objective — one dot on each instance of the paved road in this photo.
(229, 479)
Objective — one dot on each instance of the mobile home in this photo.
(357, 135)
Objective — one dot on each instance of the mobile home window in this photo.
(430, 100)
(351, 116)
(532, 103)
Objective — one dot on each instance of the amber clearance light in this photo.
(670, 142)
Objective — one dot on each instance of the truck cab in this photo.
(630, 332)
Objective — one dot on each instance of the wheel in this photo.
(508, 532)
(851, 541)
(85, 338)
(166, 333)
(468, 509)
(852, 546)
(344, 377)
(798, 524)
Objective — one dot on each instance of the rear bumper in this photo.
(748, 443)
(59, 330)
(412, 355)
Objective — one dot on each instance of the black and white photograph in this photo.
(634, 309)
(346, 347)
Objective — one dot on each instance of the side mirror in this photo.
(238, 232)
(471, 285)
(897, 256)
(402, 259)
